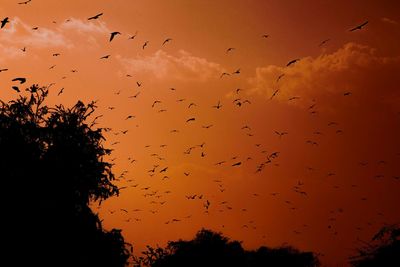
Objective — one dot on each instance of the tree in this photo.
(52, 165)
(382, 251)
(211, 249)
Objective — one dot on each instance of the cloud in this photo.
(387, 20)
(20, 34)
(183, 67)
(84, 27)
(353, 68)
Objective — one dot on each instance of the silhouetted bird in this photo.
(19, 79)
(292, 62)
(113, 34)
(4, 22)
(324, 42)
(24, 3)
(167, 40)
(96, 16)
(359, 27)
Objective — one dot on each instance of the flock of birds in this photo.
(157, 198)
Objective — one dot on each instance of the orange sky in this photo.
(348, 169)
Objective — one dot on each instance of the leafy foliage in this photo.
(382, 251)
(52, 165)
(209, 248)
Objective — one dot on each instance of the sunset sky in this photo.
(317, 141)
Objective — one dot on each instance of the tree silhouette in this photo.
(52, 166)
(382, 251)
(211, 249)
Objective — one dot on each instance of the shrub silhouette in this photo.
(382, 251)
(211, 249)
(52, 166)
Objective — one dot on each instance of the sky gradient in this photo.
(317, 141)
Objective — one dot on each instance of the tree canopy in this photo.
(382, 251)
(52, 164)
(209, 248)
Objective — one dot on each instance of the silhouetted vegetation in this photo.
(382, 251)
(209, 248)
(52, 166)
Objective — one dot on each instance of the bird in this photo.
(236, 71)
(292, 62)
(61, 91)
(105, 57)
(230, 49)
(237, 164)
(145, 44)
(113, 34)
(133, 36)
(280, 77)
(96, 16)
(24, 3)
(16, 88)
(223, 74)
(167, 40)
(155, 102)
(1, 70)
(4, 22)
(129, 117)
(138, 84)
(19, 79)
(265, 36)
(274, 94)
(56, 54)
(281, 133)
(347, 94)
(324, 42)
(190, 119)
(359, 27)
(35, 28)
(218, 106)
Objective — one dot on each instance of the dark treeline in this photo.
(52, 166)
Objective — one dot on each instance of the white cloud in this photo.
(354, 67)
(18, 33)
(184, 66)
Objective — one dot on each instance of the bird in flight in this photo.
(105, 57)
(61, 91)
(237, 164)
(359, 27)
(236, 71)
(24, 3)
(218, 106)
(4, 22)
(133, 36)
(230, 49)
(96, 16)
(274, 94)
(265, 36)
(167, 40)
(19, 79)
(324, 42)
(190, 119)
(3, 70)
(292, 62)
(347, 94)
(281, 133)
(223, 74)
(113, 34)
(145, 44)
